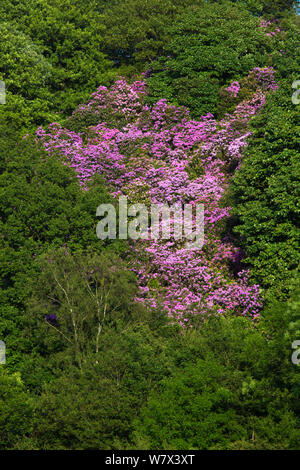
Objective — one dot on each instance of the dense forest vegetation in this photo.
(115, 344)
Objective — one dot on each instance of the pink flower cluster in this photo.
(233, 88)
(270, 27)
(162, 155)
(265, 78)
(121, 97)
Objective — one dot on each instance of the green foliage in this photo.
(42, 206)
(94, 409)
(76, 297)
(265, 194)
(209, 47)
(16, 410)
(225, 392)
(136, 31)
(227, 385)
(269, 8)
(51, 60)
(194, 410)
(23, 67)
(281, 325)
(27, 75)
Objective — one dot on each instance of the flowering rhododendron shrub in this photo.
(117, 105)
(242, 90)
(160, 155)
(233, 88)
